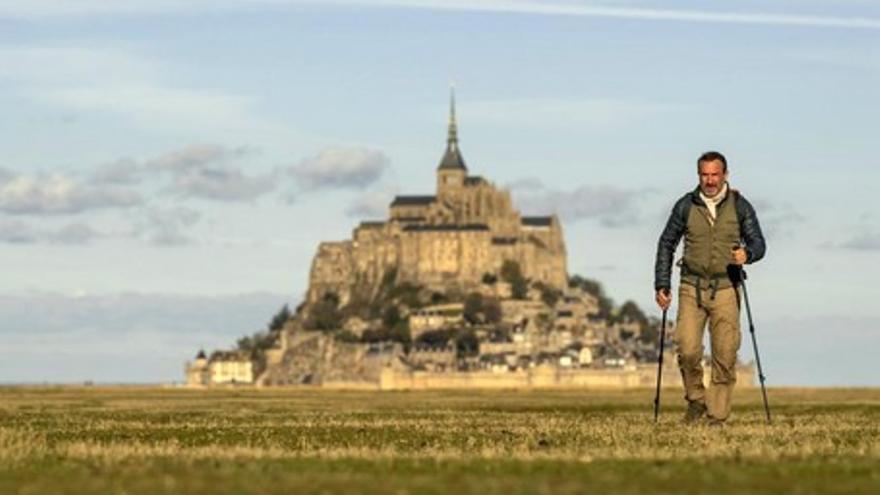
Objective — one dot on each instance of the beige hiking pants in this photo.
(722, 313)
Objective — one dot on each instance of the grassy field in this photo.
(153, 441)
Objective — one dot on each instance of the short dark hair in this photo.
(712, 156)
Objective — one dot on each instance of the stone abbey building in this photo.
(452, 239)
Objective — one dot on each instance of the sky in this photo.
(168, 167)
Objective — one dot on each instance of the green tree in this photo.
(519, 288)
(408, 294)
(391, 316)
(324, 314)
(255, 346)
(375, 335)
(279, 319)
(388, 279)
(259, 342)
(549, 295)
(245, 343)
(651, 333)
(492, 310)
(467, 343)
(401, 333)
(436, 337)
(594, 287)
(465, 340)
(473, 308)
(511, 273)
(398, 333)
(331, 298)
(630, 311)
(346, 336)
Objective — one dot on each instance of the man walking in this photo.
(721, 233)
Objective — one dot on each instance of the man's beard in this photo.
(715, 190)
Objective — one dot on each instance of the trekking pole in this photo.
(761, 376)
(660, 367)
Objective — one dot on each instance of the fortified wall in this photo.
(638, 376)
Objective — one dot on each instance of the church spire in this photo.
(452, 158)
(452, 139)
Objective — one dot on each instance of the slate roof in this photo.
(452, 159)
(413, 200)
(446, 228)
(537, 221)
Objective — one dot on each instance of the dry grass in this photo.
(259, 441)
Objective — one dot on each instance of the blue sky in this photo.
(187, 157)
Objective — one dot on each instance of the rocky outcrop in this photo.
(314, 358)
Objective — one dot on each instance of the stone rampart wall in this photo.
(542, 377)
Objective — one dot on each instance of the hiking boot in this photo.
(715, 423)
(695, 412)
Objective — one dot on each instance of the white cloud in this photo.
(371, 205)
(124, 171)
(204, 171)
(341, 168)
(527, 184)
(196, 156)
(611, 206)
(74, 233)
(59, 194)
(197, 171)
(16, 232)
(221, 184)
(869, 241)
(167, 227)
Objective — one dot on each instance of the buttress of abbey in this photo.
(451, 239)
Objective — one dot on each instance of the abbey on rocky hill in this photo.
(450, 240)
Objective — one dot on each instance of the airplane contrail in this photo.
(638, 13)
